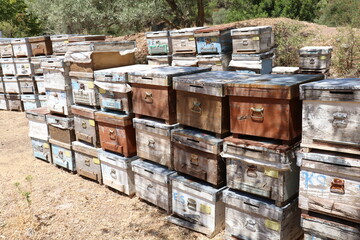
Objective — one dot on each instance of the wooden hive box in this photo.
(117, 133)
(38, 128)
(322, 227)
(201, 97)
(153, 95)
(87, 161)
(198, 155)
(8, 66)
(56, 73)
(183, 40)
(116, 172)
(88, 57)
(184, 60)
(252, 39)
(36, 64)
(3, 102)
(197, 205)
(329, 184)
(41, 149)
(40, 84)
(61, 128)
(218, 62)
(162, 60)
(251, 217)
(11, 84)
(21, 47)
(315, 57)
(43, 100)
(152, 183)
(60, 101)
(84, 90)
(6, 50)
(59, 42)
(331, 115)
(267, 105)
(263, 168)
(26, 84)
(86, 129)
(213, 40)
(14, 102)
(115, 92)
(158, 43)
(30, 101)
(40, 45)
(256, 63)
(63, 155)
(153, 141)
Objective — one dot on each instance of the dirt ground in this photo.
(41, 201)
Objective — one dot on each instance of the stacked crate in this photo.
(315, 59)
(262, 176)
(5, 49)
(11, 89)
(214, 47)
(330, 159)
(93, 128)
(159, 48)
(116, 128)
(203, 111)
(60, 121)
(154, 105)
(184, 47)
(253, 49)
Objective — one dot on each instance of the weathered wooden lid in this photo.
(154, 123)
(285, 70)
(250, 30)
(315, 50)
(212, 57)
(119, 74)
(38, 59)
(157, 34)
(346, 89)
(150, 167)
(29, 97)
(60, 144)
(270, 86)
(104, 46)
(119, 119)
(5, 41)
(82, 38)
(215, 29)
(185, 31)
(9, 78)
(104, 155)
(60, 121)
(167, 72)
(214, 79)
(6, 60)
(11, 96)
(257, 145)
(202, 187)
(38, 38)
(88, 112)
(63, 37)
(21, 60)
(53, 62)
(256, 205)
(85, 148)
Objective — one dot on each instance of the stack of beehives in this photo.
(330, 159)
(159, 48)
(20, 62)
(253, 49)
(315, 59)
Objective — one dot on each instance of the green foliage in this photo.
(347, 48)
(16, 20)
(340, 13)
(24, 193)
(289, 39)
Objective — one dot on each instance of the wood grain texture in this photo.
(41, 46)
(252, 41)
(195, 110)
(330, 189)
(154, 101)
(247, 217)
(59, 101)
(270, 118)
(331, 126)
(322, 227)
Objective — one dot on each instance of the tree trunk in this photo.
(200, 20)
